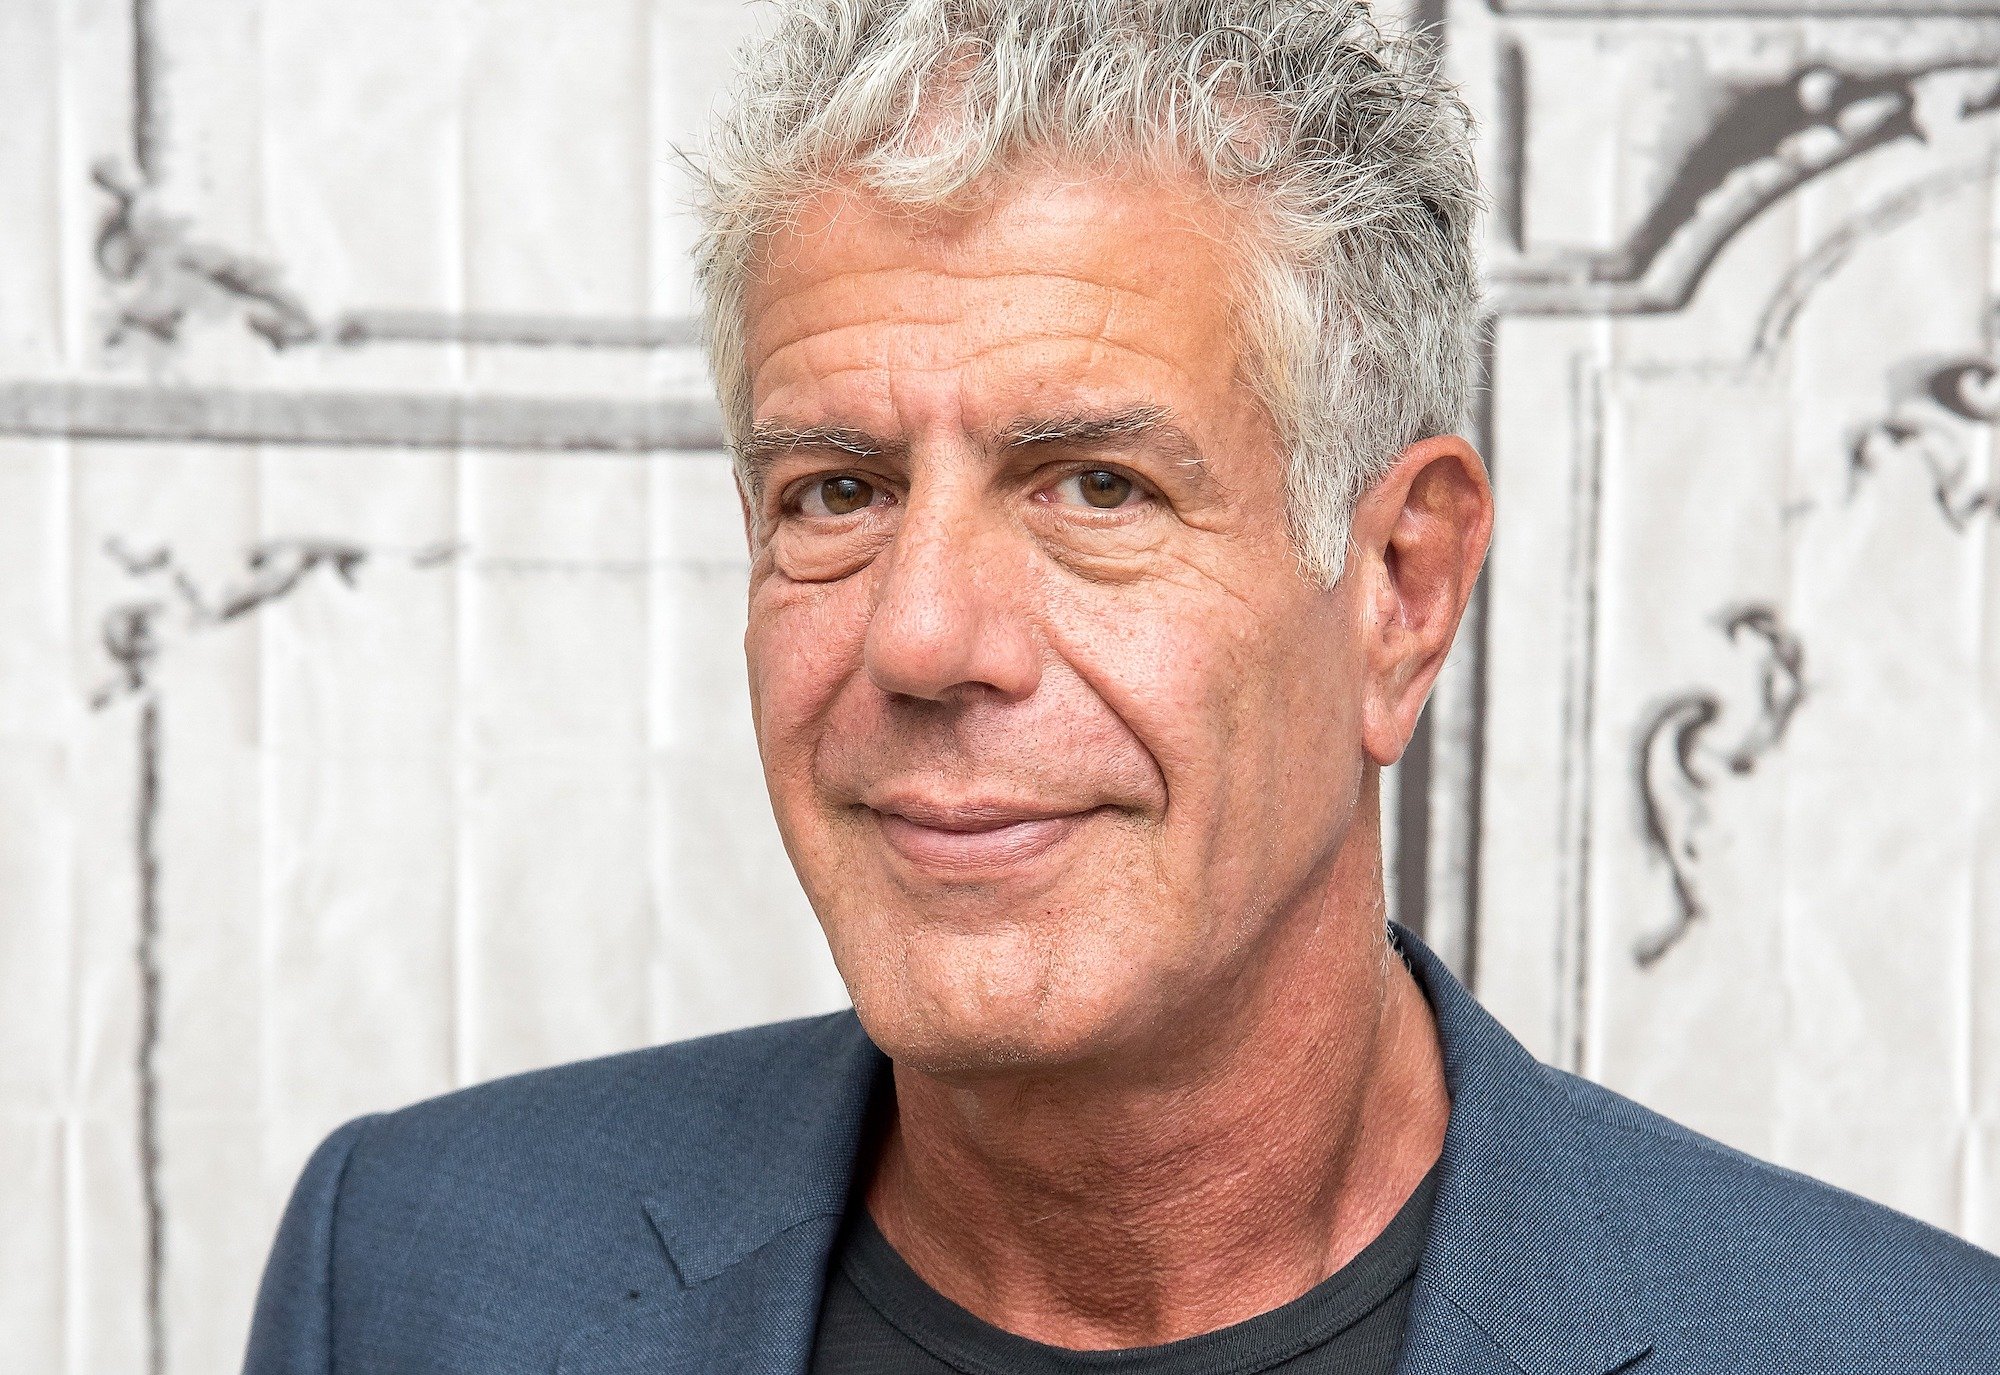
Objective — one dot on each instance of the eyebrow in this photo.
(1106, 429)
(1082, 429)
(1088, 427)
(769, 441)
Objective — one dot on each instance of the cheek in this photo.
(1180, 671)
(1248, 711)
(803, 642)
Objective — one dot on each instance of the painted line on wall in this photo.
(114, 411)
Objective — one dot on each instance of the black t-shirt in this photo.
(878, 1317)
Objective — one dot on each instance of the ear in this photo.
(1418, 539)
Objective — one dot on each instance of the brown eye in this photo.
(1100, 488)
(841, 495)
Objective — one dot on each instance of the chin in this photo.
(953, 1006)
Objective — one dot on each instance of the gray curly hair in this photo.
(1345, 142)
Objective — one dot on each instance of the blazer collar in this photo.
(1524, 1272)
(748, 1214)
(783, 1158)
(1526, 1258)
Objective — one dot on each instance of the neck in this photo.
(1123, 1206)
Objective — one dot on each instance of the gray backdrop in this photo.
(371, 708)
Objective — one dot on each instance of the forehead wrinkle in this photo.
(879, 359)
(1181, 445)
(786, 314)
(850, 279)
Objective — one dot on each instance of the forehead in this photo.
(1057, 288)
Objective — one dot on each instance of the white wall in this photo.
(371, 717)
(1738, 791)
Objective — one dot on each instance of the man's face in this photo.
(1057, 733)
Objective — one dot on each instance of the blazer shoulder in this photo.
(1722, 1233)
(696, 1077)
(618, 1118)
(501, 1217)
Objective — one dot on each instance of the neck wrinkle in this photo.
(1105, 1211)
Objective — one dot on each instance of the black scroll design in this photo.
(164, 276)
(1935, 430)
(1947, 411)
(136, 633)
(1772, 140)
(1682, 756)
(177, 603)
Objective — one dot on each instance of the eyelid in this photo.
(1076, 468)
(794, 491)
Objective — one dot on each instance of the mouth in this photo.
(969, 841)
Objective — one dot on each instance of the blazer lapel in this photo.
(1444, 1341)
(1525, 1269)
(755, 1318)
(1524, 1272)
(748, 1217)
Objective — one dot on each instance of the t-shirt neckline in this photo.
(970, 1344)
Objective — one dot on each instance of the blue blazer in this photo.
(672, 1210)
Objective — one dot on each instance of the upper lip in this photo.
(969, 814)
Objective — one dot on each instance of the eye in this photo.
(1099, 488)
(842, 494)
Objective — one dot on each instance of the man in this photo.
(1093, 368)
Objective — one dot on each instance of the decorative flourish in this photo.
(1679, 764)
(1772, 140)
(275, 569)
(169, 276)
(1816, 268)
(133, 638)
(132, 643)
(1672, 790)
(1781, 683)
(278, 568)
(1939, 426)
(1937, 429)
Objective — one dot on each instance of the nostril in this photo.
(949, 612)
(942, 647)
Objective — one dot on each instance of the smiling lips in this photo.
(972, 840)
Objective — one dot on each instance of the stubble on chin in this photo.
(955, 1003)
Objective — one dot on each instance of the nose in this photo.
(951, 615)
